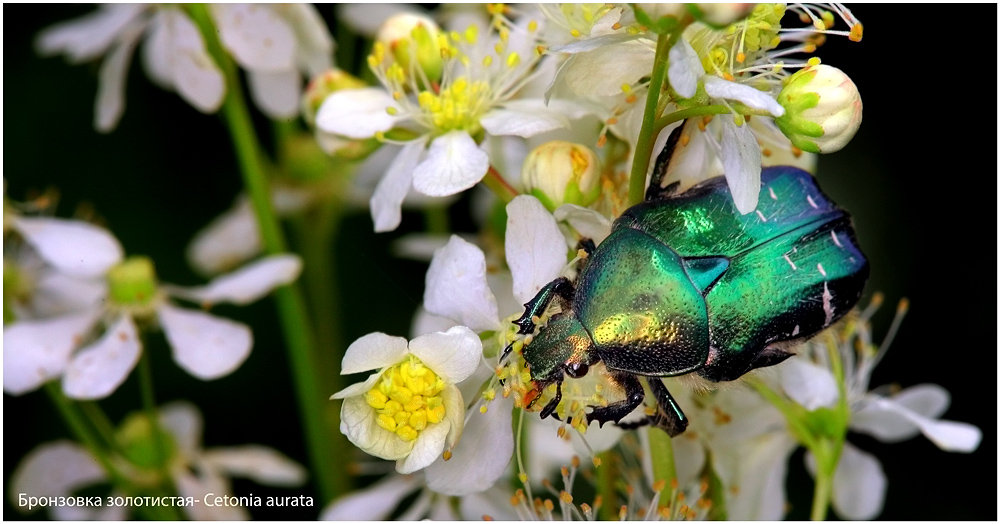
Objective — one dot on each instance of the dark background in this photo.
(917, 179)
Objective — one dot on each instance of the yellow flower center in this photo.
(457, 106)
(408, 398)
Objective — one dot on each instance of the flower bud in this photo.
(321, 86)
(822, 109)
(560, 173)
(720, 14)
(409, 35)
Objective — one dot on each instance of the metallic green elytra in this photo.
(686, 284)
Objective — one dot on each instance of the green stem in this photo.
(661, 452)
(317, 234)
(101, 422)
(149, 406)
(84, 433)
(495, 182)
(291, 306)
(607, 478)
(827, 454)
(644, 146)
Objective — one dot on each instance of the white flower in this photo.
(482, 74)
(747, 442)
(859, 482)
(174, 55)
(381, 500)
(275, 43)
(61, 468)
(208, 347)
(196, 471)
(410, 410)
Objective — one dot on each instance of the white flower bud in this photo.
(409, 35)
(822, 109)
(722, 14)
(560, 173)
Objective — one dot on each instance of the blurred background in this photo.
(916, 178)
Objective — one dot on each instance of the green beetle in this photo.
(686, 284)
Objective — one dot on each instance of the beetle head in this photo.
(562, 347)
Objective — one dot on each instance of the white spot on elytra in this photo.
(761, 215)
(853, 260)
(835, 239)
(773, 196)
(812, 202)
(827, 304)
(790, 263)
(821, 270)
(796, 330)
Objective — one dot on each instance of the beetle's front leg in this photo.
(561, 287)
(669, 417)
(554, 403)
(654, 191)
(617, 411)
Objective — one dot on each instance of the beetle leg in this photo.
(554, 403)
(615, 412)
(669, 417)
(561, 287)
(654, 191)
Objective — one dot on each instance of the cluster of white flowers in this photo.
(557, 110)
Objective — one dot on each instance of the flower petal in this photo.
(587, 222)
(720, 88)
(197, 486)
(858, 485)
(373, 351)
(453, 355)
(195, 75)
(536, 250)
(110, 103)
(357, 113)
(945, 434)
(248, 284)
(55, 469)
(456, 286)
(57, 293)
(35, 351)
(89, 36)
(205, 345)
(156, 48)
(227, 241)
(755, 475)
(453, 164)
(358, 388)
(184, 422)
(809, 385)
(358, 421)
(72, 246)
(97, 370)
(523, 118)
(427, 448)
(604, 70)
(387, 201)
(481, 457)
(261, 464)
(375, 502)
(685, 69)
(314, 45)
(276, 93)
(257, 37)
(741, 164)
